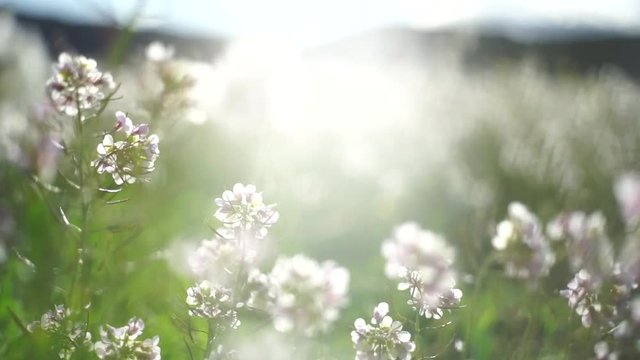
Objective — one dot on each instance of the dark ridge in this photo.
(97, 40)
(482, 50)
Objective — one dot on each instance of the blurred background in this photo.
(353, 116)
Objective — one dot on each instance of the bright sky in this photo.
(317, 21)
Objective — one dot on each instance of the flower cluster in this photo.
(130, 158)
(211, 302)
(122, 343)
(243, 208)
(580, 294)
(430, 294)
(383, 338)
(525, 250)
(588, 246)
(422, 262)
(307, 295)
(57, 323)
(77, 85)
(221, 260)
(627, 192)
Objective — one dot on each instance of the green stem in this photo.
(82, 266)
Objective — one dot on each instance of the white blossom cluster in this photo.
(381, 339)
(422, 262)
(588, 246)
(605, 293)
(210, 302)
(627, 192)
(307, 294)
(228, 260)
(603, 352)
(222, 353)
(525, 251)
(78, 85)
(58, 323)
(122, 343)
(580, 294)
(222, 260)
(130, 158)
(243, 208)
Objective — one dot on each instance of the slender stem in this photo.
(211, 335)
(417, 327)
(82, 266)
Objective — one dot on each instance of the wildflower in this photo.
(588, 246)
(411, 248)
(221, 260)
(211, 302)
(431, 292)
(580, 294)
(627, 192)
(422, 262)
(77, 84)
(57, 323)
(526, 252)
(601, 349)
(629, 262)
(123, 343)
(244, 208)
(158, 52)
(221, 353)
(308, 295)
(383, 338)
(129, 159)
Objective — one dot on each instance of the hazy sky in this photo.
(316, 21)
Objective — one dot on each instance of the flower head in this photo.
(580, 294)
(307, 295)
(422, 262)
(431, 293)
(244, 208)
(77, 84)
(130, 158)
(411, 247)
(210, 302)
(588, 246)
(519, 238)
(382, 338)
(122, 343)
(58, 323)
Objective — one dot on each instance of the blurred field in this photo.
(348, 150)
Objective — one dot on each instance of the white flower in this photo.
(210, 302)
(601, 349)
(57, 323)
(431, 292)
(412, 247)
(627, 192)
(244, 208)
(580, 294)
(422, 262)
(220, 260)
(519, 238)
(159, 52)
(78, 85)
(122, 343)
(307, 295)
(505, 232)
(588, 246)
(128, 159)
(383, 338)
